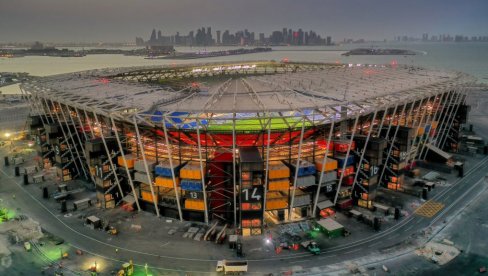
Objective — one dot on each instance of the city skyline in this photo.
(121, 20)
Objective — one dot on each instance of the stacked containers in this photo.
(305, 175)
(343, 158)
(141, 176)
(164, 176)
(368, 169)
(278, 187)
(164, 181)
(329, 169)
(192, 184)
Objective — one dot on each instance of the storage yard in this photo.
(251, 144)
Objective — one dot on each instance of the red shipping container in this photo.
(348, 171)
(341, 146)
(345, 204)
(348, 181)
(324, 143)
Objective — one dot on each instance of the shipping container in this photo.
(327, 177)
(166, 182)
(164, 168)
(304, 168)
(191, 185)
(301, 198)
(347, 171)
(331, 227)
(348, 180)
(278, 172)
(368, 204)
(139, 165)
(195, 204)
(341, 159)
(330, 165)
(342, 146)
(147, 196)
(191, 171)
(276, 200)
(142, 177)
(129, 158)
(277, 185)
(344, 204)
(305, 181)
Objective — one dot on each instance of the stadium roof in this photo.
(257, 89)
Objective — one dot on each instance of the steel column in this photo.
(112, 166)
(122, 153)
(347, 156)
(204, 184)
(168, 145)
(324, 161)
(290, 210)
(266, 174)
(141, 146)
(364, 150)
(65, 137)
(392, 143)
(74, 142)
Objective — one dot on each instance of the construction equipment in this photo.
(232, 267)
(312, 247)
(112, 231)
(127, 269)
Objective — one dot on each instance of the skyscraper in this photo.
(218, 37)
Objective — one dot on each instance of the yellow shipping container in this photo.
(246, 232)
(130, 161)
(166, 182)
(147, 196)
(277, 172)
(330, 165)
(365, 203)
(278, 185)
(195, 204)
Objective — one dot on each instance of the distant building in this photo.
(218, 38)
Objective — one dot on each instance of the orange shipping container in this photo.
(277, 172)
(166, 182)
(421, 131)
(147, 196)
(276, 204)
(330, 165)
(195, 204)
(130, 161)
(434, 124)
(191, 172)
(278, 185)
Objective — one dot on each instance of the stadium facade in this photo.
(246, 143)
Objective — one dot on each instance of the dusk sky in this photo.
(123, 20)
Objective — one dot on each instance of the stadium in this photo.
(248, 143)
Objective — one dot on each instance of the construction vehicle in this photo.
(312, 247)
(112, 231)
(232, 267)
(127, 269)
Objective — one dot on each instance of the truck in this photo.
(232, 267)
(312, 247)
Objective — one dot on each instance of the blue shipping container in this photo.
(191, 185)
(342, 159)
